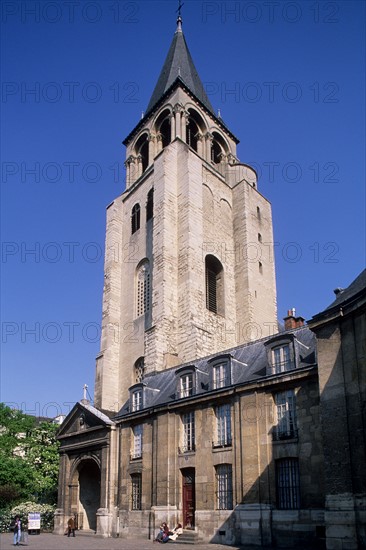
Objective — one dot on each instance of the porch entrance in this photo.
(189, 500)
(89, 494)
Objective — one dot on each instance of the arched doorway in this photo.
(89, 494)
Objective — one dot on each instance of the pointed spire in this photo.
(179, 64)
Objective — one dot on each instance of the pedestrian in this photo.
(17, 530)
(71, 527)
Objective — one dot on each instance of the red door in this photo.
(188, 498)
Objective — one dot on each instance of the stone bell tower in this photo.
(189, 268)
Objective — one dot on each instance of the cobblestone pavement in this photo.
(47, 541)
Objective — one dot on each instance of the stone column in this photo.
(172, 126)
(177, 114)
(139, 166)
(159, 140)
(130, 168)
(151, 139)
(184, 125)
(209, 139)
(199, 137)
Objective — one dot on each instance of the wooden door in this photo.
(188, 497)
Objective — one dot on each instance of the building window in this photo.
(136, 451)
(165, 131)
(220, 376)
(188, 432)
(136, 491)
(143, 289)
(260, 267)
(214, 285)
(135, 218)
(142, 151)
(150, 205)
(259, 238)
(136, 400)
(139, 370)
(281, 360)
(288, 484)
(224, 487)
(223, 426)
(186, 385)
(286, 415)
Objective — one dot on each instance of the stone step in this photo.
(188, 537)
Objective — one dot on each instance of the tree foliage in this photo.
(28, 456)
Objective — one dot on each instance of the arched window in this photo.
(139, 370)
(142, 149)
(135, 218)
(218, 149)
(216, 152)
(150, 205)
(214, 285)
(192, 131)
(143, 289)
(165, 131)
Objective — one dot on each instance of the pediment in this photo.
(83, 417)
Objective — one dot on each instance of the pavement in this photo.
(49, 541)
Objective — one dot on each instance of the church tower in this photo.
(189, 267)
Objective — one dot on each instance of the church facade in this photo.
(204, 413)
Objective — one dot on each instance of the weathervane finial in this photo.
(179, 11)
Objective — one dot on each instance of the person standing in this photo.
(17, 530)
(71, 527)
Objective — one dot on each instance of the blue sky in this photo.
(288, 78)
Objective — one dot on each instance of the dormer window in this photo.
(281, 360)
(221, 371)
(186, 385)
(185, 381)
(136, 400)
(220, 376)
(281, 354)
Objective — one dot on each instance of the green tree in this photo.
(28, 457)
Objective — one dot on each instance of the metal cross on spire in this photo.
(179, 10)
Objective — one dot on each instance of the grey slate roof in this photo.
(103, 417)
(179, 64)
(249, 364)
(344, 296)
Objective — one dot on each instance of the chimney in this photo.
(291, 321)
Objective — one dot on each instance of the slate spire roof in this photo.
(179, 65)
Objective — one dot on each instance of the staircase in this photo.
(188, 537)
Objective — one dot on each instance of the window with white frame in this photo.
(137, 400)
(281, 359)
(136, 451)
(224, 487)
(286, 415)
(143, 289)
(188, 443)
(223, 426)
(186, 385)
(136, 481)
(220, 376)
(288, 484)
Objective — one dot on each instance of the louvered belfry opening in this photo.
(214, 285)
